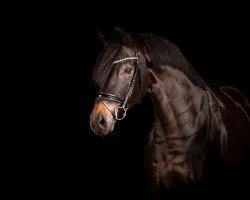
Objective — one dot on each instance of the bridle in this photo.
(119, 112)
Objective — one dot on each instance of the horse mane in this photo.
(161, 51)
(104, 62)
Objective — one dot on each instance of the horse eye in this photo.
(127, 70)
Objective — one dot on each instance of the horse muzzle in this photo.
(101, 120)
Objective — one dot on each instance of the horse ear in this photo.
(102, 37)
(123, 37)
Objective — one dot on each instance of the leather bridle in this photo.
(119, 112)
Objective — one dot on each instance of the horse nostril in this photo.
(102, 122)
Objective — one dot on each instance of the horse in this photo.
(192, 121)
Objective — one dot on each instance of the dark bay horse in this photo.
(190, 117)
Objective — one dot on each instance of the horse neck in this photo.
(182, 109)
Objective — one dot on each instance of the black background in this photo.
(62, 156)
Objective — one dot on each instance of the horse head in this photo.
(121, 74)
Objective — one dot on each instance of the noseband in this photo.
(119, 112)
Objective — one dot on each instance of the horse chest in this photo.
(167, 165)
